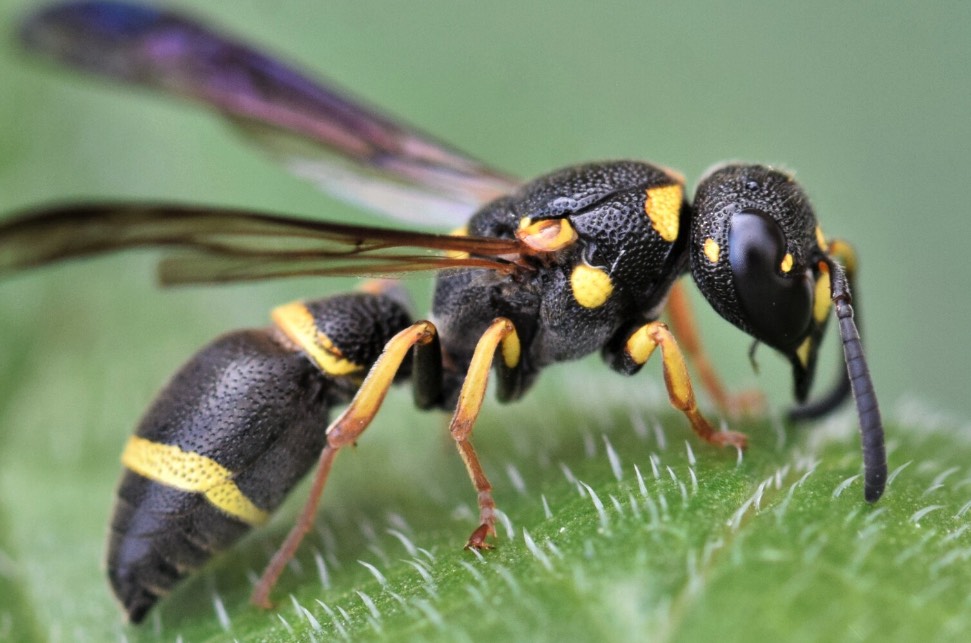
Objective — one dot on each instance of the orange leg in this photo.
(343, 431)
(682, 320)
(639, 348)
(500, 335)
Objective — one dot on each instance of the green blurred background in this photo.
(869, 103)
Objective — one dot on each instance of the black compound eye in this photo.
(775, 299)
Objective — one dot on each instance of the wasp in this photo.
(582, 259)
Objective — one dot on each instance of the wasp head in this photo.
(757, 256)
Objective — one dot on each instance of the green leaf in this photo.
(616, 525)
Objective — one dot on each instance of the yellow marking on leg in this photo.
(786, 264)
(298, 323)
(477, 377)
(362, 409)
(663, 208)
(466, 412)
(169, 465)
(823, 296)
(591, 286)
(682, 325)
(640, 346)
(712, 250)
(511, 350)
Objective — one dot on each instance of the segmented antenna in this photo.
(871, 425)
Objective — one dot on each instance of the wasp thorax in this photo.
(624, 222)
(604, 242)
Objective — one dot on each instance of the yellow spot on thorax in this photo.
(712, 250)
(546, 235)
(169, 465)
(663, 208)
(298, 323)
(462, 231)
(591, 286)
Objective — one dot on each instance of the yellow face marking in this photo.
(820, 238)
(822, 297)
(712, 250)
(803, 352)
(786, 264)
(546, 235)
(663, 208)
(296, 321)
(591, 286)
(169, 465)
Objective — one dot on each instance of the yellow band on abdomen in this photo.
(169, 465)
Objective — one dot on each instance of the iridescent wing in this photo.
(235, 245)
(317, 131)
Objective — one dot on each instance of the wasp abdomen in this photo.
(231, 434)
(219, 449)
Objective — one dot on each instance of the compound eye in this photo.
(775, 298)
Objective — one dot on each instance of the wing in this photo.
(317, 131)
(234, 245)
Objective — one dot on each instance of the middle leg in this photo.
(343, 431)
(501, 336)
(681, 316)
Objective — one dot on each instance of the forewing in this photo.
(233, 245)
(319, 132)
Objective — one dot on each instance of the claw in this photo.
(729, 439)
(478, 538)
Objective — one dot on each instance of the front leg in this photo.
(638, 348)
(681, 316)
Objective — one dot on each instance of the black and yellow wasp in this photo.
(579, 260)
